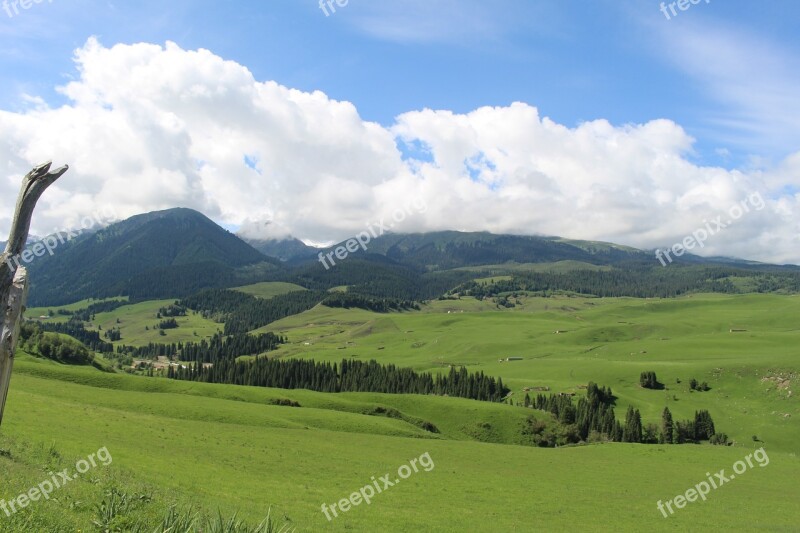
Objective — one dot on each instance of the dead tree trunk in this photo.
(14, 278)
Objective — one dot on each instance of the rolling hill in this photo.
(245, 449)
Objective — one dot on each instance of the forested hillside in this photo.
(640, 281)
(179, 252)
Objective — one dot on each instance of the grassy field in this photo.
(138, 323)
(231, 448)
(38, 312)
(268, 289)
(226, 447)
(134, 320)
(502, 271)
(753, 374)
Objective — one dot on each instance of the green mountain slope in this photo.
(445, 250)
(178, 249)
(283, 249)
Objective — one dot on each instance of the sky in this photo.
(614, 120)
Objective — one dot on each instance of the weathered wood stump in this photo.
(14, 281)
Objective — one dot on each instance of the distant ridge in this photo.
(289, 249)
(177, 252)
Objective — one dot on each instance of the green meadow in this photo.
(138, 322)
(36, 313)
(752, 373)
(268, 289)
(230, 448)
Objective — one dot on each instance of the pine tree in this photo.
(637, 425)
(632, 431)
(666, 426)
(703, 425)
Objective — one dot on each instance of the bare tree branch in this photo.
(9, 331)
(14, 282)
(33, 185)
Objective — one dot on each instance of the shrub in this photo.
(648, 380)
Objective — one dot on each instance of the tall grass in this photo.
(188, 520)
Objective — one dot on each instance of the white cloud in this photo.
(150, 127)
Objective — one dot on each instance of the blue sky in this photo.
(726, 72)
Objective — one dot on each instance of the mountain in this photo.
(426, 265)
(290, 249)
(445, 250)
(161, 254)
(177, 252)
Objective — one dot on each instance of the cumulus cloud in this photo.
(149, 127)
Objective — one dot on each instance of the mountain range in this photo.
(176, 252)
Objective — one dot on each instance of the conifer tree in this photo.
(666, 426)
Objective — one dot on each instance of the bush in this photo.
(648, 380)
(169, 323)
(284, 402)
(719, 439)
(63, 349)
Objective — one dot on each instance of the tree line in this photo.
(349, 300)
(219, 347)
(593, 419)
(75, 329)
(243, 312)
(349, 376)
(377, 277)
(638, 281)
(86, 314)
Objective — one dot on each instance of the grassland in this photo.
(37, 312)
(269, 289)
(134, 320)
(502, 271)
(138, 323)
(609, 341)
(231, 448)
